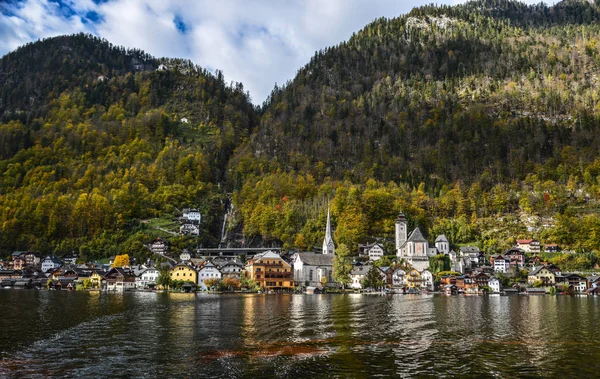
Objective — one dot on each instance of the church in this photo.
(414, 248)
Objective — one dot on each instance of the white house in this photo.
(185, 256)
(184, 120)
(427, 280)
(147, 278)
(161, 67)
(373, 251)
(357, 274)
(529, 245)
(309, 268)
(192, 215)
(209, 271)
(189, 229)
(398, 277)
(51, 262)
(495, 285)
(501, 264)
(158, 246)
(231, 269)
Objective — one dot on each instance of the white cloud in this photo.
(256, 42)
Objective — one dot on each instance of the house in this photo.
(31, 259)
(501, 264)
(270, 271)
(310, 269)
(516, 257)
(184, 120)
(593, 281)
(554, 268)
(357, 275)
(413, 279)
(18, 263)
(427, 280)
(189, 229)
(209, 271)
(192, 215)
(398, 278)
(374, 251)
(70, 258)
(96, 278)
(495, 285)
(147, 278)
(535, 291)
(577, 282)
(119, 279)
(184, 272)
(50, 263)
(159, 246)
(482, 279)
(231, 269)
(551, 248)
(185, 256)
(161, 67)
(529, 245)
(466, 284)
(544, 274)
(10, 274)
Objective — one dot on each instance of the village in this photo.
(519, 270)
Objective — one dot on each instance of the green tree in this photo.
(342, 265)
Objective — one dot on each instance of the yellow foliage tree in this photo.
(121, 260)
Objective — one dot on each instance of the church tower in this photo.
(328, 246)
(401, 232)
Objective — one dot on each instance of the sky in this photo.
(255, 42)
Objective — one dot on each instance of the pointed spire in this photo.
(328, 228)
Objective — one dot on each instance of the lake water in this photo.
(160, 335)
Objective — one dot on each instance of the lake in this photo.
(167, 335)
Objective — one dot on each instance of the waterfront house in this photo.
(310, 268)
(495, 285)
(184, 272)
(96, 278)
(18, 263)
(466, 284)
(374, 251)
(576, 282)
(427, 280)
(270, 271)
(147, 278)
(230, 269)
(357, 275)
(413, 279)
(50, 263)
(31, 259)
(209, 271)
(593, 281)
(482, 279)
(542, 273)
(119, 279)
(10, 274)
(398, 277)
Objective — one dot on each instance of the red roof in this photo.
(524, 242)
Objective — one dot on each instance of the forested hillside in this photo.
(481, 111)
(94, 139)
(479, 121)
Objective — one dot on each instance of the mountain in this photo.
(456, 115)
(95, 138)
(478, 121)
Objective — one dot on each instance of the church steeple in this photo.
(328, 245)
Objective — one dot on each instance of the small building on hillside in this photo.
(551, 248)
(159, 246)
(501, 264)
(192, 215)
(189, 229)
(374, 251)
(50, 263)
(529, 245)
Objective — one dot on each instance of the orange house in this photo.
(270, 271)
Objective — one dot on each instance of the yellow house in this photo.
(269, 271)
(542, 273)
(185, 273)
(413, 278)
(96, 279)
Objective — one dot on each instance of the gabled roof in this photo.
(314, 259)
(538, 269)
(469, 249)
(416, 236)
(441, 238)
(360, 270)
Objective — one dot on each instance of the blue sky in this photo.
(256, 42)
